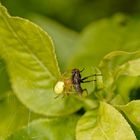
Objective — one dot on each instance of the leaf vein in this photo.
(19, 39)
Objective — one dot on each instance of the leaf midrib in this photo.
(17, 37)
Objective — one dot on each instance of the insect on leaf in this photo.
(32, 66)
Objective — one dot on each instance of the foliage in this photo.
(30, 68)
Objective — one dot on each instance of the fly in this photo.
(77, 80)
(65, 85)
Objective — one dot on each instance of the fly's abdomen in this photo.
(78, 88)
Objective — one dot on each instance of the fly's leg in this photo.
(87, 81)
(80, 93)
(85, 91)
(91, 76)
(82, 70)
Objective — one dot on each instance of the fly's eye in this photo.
(59, 87)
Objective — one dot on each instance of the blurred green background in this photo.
(77, 24)
(74, 14)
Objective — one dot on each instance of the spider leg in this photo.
(56, 96)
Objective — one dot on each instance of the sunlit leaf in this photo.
(107, 123)
(48, 129)
(132, 111)
(114, 65)
(131, 68)
(4, 80)
(32, 66)
(116, 58)
(117, 63)
(64, 38)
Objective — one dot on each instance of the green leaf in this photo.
(64, 38)
(105, 124)
(32, 66)
(136, 131)
(48, 129)
(118, 63)
(115, 58)
(4, 80)
(132, 111)
(113, 66)
(131, 68)
(13, 115)
(126, 89)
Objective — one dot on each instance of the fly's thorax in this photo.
(78, 88)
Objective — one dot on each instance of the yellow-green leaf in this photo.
(32, 66)
(64, 38)
(131, 68)
(132, 111)
(105, 124)
(48, 129)
(13, 115)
